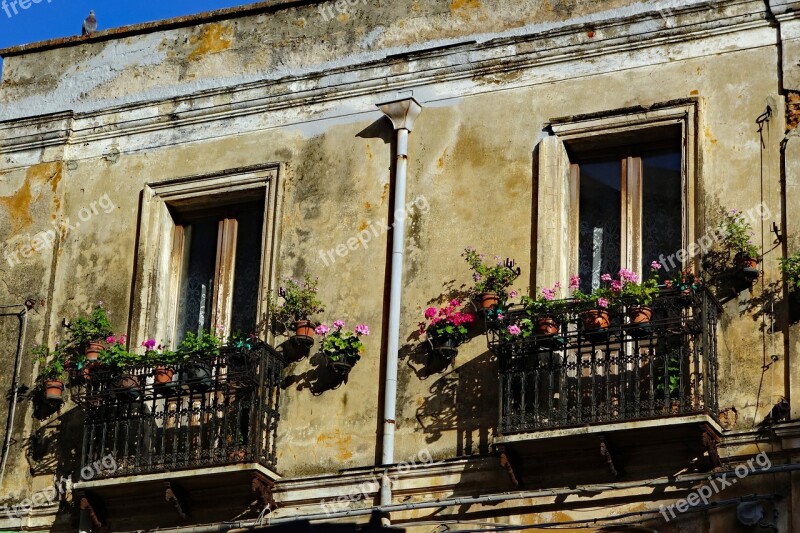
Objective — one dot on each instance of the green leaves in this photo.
(205, 345)
(95, 327)
(790, 267)
(489, 279)
(300, 301)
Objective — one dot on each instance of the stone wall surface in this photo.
(285, 86)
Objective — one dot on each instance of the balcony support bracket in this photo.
(605, 452)
(175, 495)
(92, 506)
(264, 488)
(506, 463)
(710, 442)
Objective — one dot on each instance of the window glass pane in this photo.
(248, 268)
(661, 206)
(197, 290)
(599, 223)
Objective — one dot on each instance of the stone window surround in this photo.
(155, 294)
(556, 192)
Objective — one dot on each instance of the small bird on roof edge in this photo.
(90, 24)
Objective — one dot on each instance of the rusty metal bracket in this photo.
(710, 442)
(176, 495)
(506, 463)
(605, 452)
(264, 487)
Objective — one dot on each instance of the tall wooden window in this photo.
(216, 260)
(204, 260)
(614, 191)
(630, 209)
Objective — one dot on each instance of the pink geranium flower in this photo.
(321, 330)
(338, 324)
(362, 329)
(602, 303)
(514, 330)
(430, 312)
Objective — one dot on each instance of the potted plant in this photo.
(790, 268)
(300, 305)
(164, 363)
(118, 362)
(239, 358)
(446, 328)
(638, 295)
(491, 281)
(195, 350)
(545, 311)
(88, 332)
(595, 318)
(737, 237)
(342, 349)
(52, 369)
(685, 282)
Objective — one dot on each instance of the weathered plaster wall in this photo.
(283, 42)
(471, 159)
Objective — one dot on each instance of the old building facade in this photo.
(268, 141)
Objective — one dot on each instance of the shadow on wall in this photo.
(463, 400)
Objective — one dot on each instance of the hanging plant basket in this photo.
(445, 346)
(747, 267)
(595, 323)
(343, 366)
(639, 317)
(54, 390)
(686, 299)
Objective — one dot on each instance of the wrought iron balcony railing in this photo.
(623, 373)
(203, 412)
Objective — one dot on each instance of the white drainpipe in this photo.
(402, 113)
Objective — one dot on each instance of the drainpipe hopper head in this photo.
(402, 113)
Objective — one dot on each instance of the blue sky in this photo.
(49, 19)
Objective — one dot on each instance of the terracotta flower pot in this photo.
(128, 386)
(547, 326)
(304, 328)
(93, 350)
(748, 266)
(489, 300)
(163, 375)
(54, 390)
(640, 314)
(595, 319)
(746, 261)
